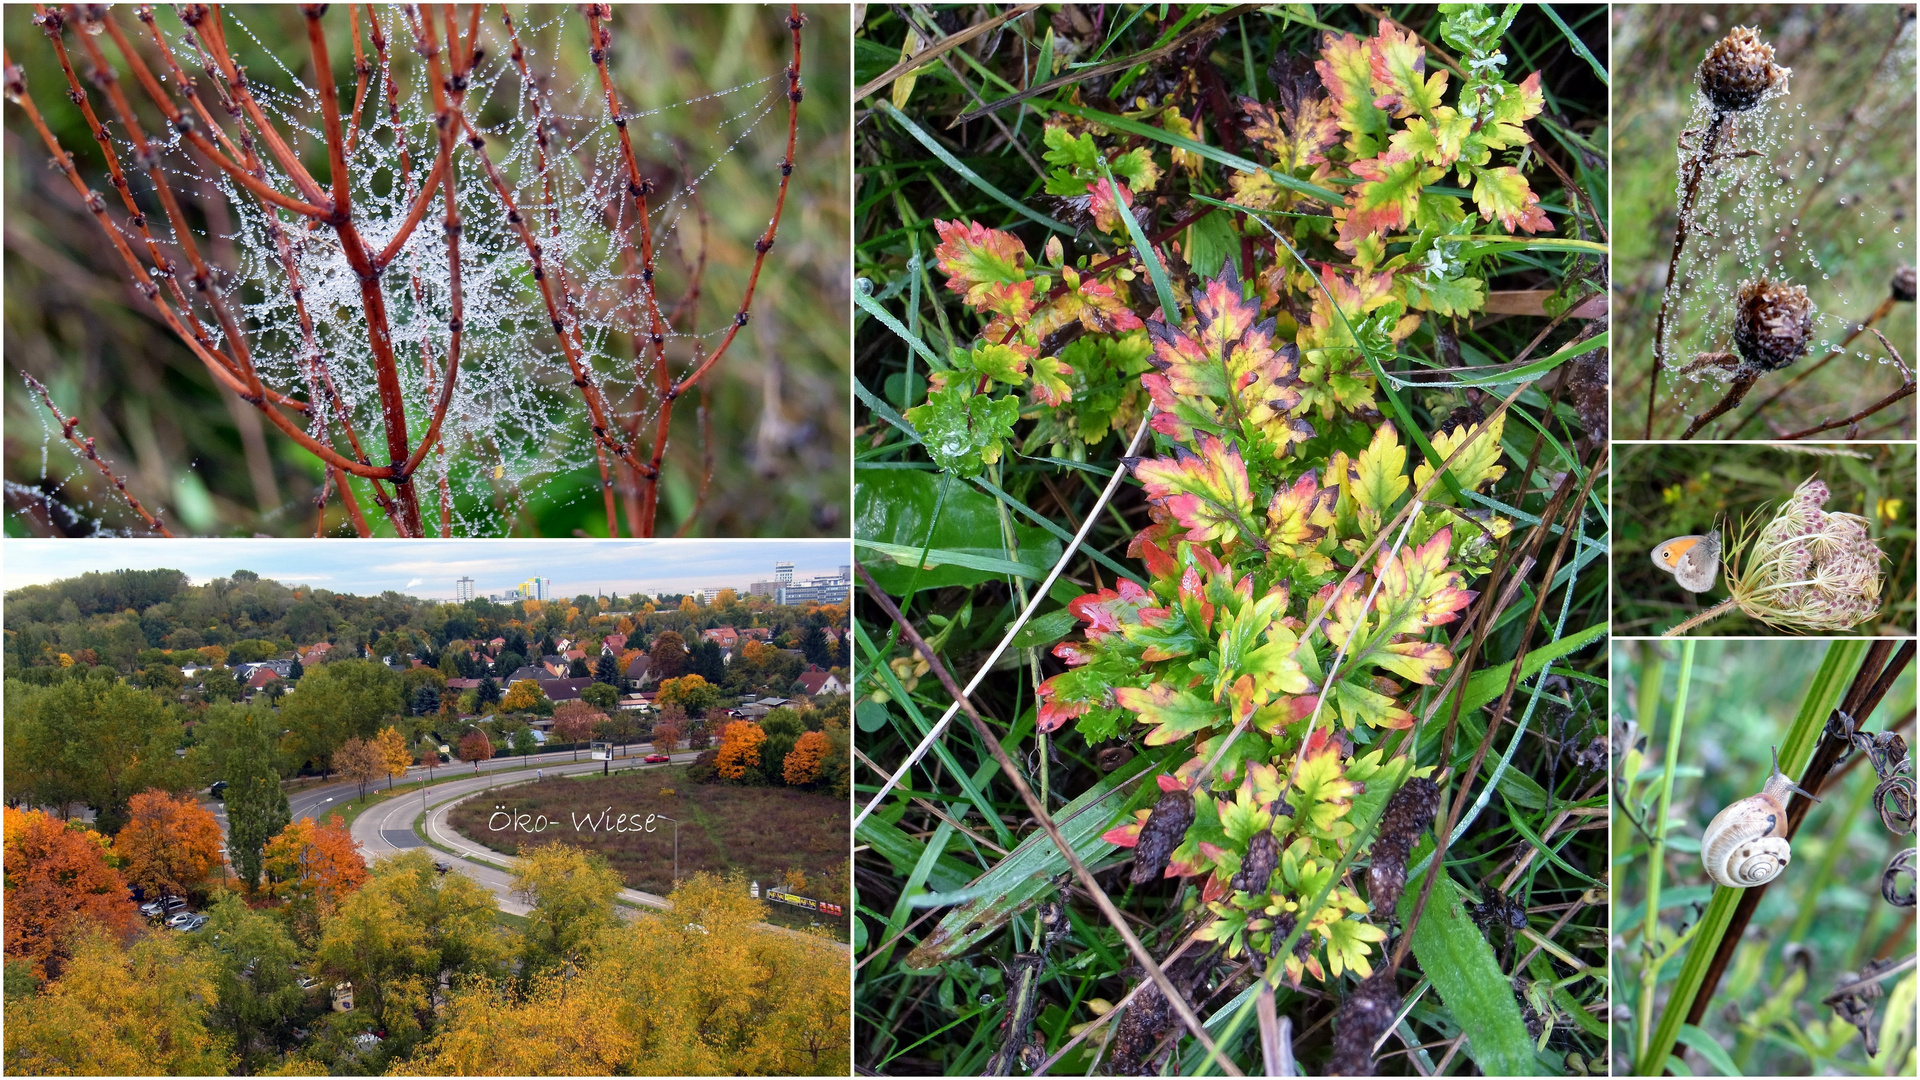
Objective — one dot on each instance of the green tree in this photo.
(813, 642)
(524, 743)
(256, 965)
(256, 803)
(296, 670)
(607, 670)
(342, 700)
(426, 700)
(783, 728)
(488, 692)
(220, 684)
(571, 892)
(91, 739)
(600, 696)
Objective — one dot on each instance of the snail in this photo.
(1746, 844)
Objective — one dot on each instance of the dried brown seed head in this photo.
(1902, 286)
(1771, 324)
(1738, 72)
(1164, 830)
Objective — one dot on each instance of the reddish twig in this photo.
(1696, 167)
(83, 446)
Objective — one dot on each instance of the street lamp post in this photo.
(676, 848)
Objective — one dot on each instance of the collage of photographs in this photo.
(1033, 539)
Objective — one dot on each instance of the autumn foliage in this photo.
(171, 845)
(804, 762)
(476, 747)
(740, 744)
(319, 862)
(56, 878)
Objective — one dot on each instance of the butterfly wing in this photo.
(1700, 564)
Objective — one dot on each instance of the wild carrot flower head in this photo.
(1808, 569)
(1738, 72)
(1772, 324)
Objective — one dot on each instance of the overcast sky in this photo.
(428, 568)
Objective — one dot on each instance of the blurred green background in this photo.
(1742, 699)
(1849, 227)
(1663, 490)
(779, 404)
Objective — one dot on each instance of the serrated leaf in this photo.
(1442, 296)
(1136, 167)
(963, 431)
(1349, 943)
(1516, 106)
(1436, 143)
(1096, 304)
(1503, 194)
(1301, 134)
(1050, 381)
(991, 359)
(975, 257)
(1346, 70)
(1225, 373)
(1478, 464)
(1206, 493)
(1106, 216)
(1172, 713)
(1299, 516)
(1385, 202)
(1397, 66)
(1380, 473)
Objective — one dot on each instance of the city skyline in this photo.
(431, 569)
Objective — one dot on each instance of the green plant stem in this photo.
(1713, 612)
(1823, 693)
(1650, 971)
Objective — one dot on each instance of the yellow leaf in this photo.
(1477, 465)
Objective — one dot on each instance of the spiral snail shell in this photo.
(1746, 843)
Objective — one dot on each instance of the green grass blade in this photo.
(1211, 153)
(1169, 307)
(1580, 49)
(1455, 955)
(971, 177)
(1823, 693)
(1713, 1052)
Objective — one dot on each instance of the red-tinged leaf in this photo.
(1415, 660)
(1054, 713)
(1127, 835)
(1346, 70)
(1172, 713)
(1074, 653)
(1301, 134)
(1385, 202)
(1436, 143)
(1169, 783)
(1160, 563)
(1049, 381)
(1012, 300)
(1217, 886)
(1105, 217)
(1206, 493)
(1503, 194)
(1097, 305)
(1106, 611)
(1284, 712)
(1004, 363)
(1299, 516)
(1226, 373)
(1417, 590)
(1517, 106)
(1397, 67)
(974, 258)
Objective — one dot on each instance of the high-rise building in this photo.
(783, 573)
(463, 590)
(537, 588)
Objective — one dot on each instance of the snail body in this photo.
(1746, 844)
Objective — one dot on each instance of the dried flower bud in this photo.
(1739, 73)
(1164, 830)
(1364, 1016)
(1771, 324)
(1408, 814)
(1256, 870)
(1810, 570)
(1902, 286)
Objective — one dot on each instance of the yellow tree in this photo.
(314, 862)
(393, 752)
(114, 1012)
(688, 607)
(360, 761)
(522, 696)
(571, 892)
(725, 598)
(803, 763)
(170, 846)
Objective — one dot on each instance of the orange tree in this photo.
(57, 878)
(314, 862)
(739, 756)
(170, 846)
(476, 747)
(803, 763)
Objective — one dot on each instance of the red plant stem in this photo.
(455, 325)
(237, 86)
(353, 505)
(188, 130)
(362, 71)
(761, 246)
(83, 445)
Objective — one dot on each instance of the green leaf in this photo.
(896, 507)
(964, 432)
(1347, 71)
(1397, 67)
(1460, 296)
(1213, 241)
(1709, 1049)
(1027, 872)
(1386, 200)
(1045, 629)
(1170, 712)
(1456, 957)
(1003, 363)
(1383, 473)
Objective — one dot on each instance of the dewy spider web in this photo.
(512, 262)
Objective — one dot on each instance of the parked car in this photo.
(196, 923)
(306, 982)
(442, 867)
(219, 790)
(152, 909)
(173, 903)
(655, 759)
(179, 919)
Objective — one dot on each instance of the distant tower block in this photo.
(783, 573)
(463, 589)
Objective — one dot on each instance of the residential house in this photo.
(638, 669)
(613, 644)
(815, 682)
(556, 667)
(316, 654)
(538, 674)
(758, 633)
(724, 636)
(564, 689)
